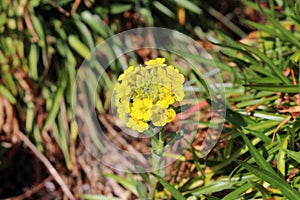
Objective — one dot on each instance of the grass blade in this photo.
(293, 154)
(288, 35)
(268, 61)
(97, 197)
(237, 192)
(55, 106)
(163, 9)
(264, 192)
(189, 5)
(269, 177)
(7, 94)
(123, 181)
(281, 160)
(78, 46)
(33, 58)
(141, 189)
(260, 160)
(175, 193)
(275, 88)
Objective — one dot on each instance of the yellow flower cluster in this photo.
(144, 94)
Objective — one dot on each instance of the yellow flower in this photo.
(166, 99)
(143, 95)
(138, 125)
(178, 94)
(122, 89)
(158, 117)
(171, 114)
(141, 109)
(161, 115)
(127, 73)
(157, 62)
(174, 74)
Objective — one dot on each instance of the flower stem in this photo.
(157, 151)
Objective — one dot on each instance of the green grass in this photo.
(258, 152)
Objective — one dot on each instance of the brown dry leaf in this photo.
(294, 109)
(9, 115)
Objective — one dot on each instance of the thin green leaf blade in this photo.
(275, 88)
(118, 8)
(260, 160)
(97, 197)
(7, 94)
(269, 177)
(293, 154)
(264, 192)
(123, 181)
(175, 193)
(235, 194)
(141, 190)
(268, 61)
(78, 46)
(189, 5)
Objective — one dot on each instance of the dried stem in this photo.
(48, 165)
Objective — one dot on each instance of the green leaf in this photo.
(269, 177)
(165, 10)
(263, 27)
(211, 198)
(264, 192)
(97, 197)
(78, 46)
(55, 106)
(237, 119)
(189, 5)
(221, 184)
(63, 140)
(265, 115)
(268, 61)
(96, 23)
(143, 173)
(8, 78)
(183, 108)
(288, 35)
(197, 163)
(275, 88)
(281, 161)
(235, 194)
(211, 188)
(118, 8)
(295, 58)
(260, 160)
(84, 32)
(257, 101)
(293, 154)
(141, 190)
(33, 59)
(7, 94)
(38, 138)
(37, 24)
(175, 193)
(224, 20)
(130, 185)
(3, 19)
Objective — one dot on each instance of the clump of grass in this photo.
(263, 137)
(260, 155)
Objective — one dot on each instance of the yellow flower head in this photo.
(144, 94)
(157, 62)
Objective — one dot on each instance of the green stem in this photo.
(157, 151)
